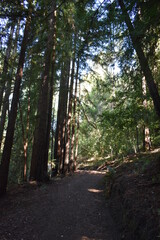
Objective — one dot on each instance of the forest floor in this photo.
(70, 208)
(105, 200)
(133, 191)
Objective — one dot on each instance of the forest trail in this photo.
(73, 208)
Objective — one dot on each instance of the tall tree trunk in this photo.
(4, 167)
(69, 116)
(72, 163)
(52, 139)
(52, 84)
(6, 62)
(59, 149)
(25, 135)
(62, 135)
(38, 170)
(77, 133)
(142, 59)
(5, 108)
(146, 132)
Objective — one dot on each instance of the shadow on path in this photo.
(73, 208)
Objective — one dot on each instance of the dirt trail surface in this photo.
(73, 208)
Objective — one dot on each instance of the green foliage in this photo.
(120, 98)
(115, 106)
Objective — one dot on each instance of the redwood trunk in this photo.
(52, 83)
(5, 106)
(38, 169)
(5, 66)
(68, 127)
(77, 136)
(146, 132)
(25, 136)
(59, 149)
(72, 163)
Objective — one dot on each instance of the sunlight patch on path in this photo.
(95, 190)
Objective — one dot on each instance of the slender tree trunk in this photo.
(6, 62)
(144, 143)
(48, 127)
(142, 59)
(59, 149)
(76, 145)
(137, 138)
(72, 164)
(38, 169)
(5, 106)
(146, 132)
(64, 116)
(52, 83)
(4, 167)
(25, 135)
(24, 138)
(68, 126)
(52, 139)
(77, 134)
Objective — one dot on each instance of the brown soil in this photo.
(72, 208)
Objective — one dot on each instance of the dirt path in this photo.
(73, 208)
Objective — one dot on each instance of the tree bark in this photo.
(38, 169)
(69, 116)
(146, 132)
(77, 134)
(5, 161)
(7, 89)
(6, 62)
(25, 135)
(5, 108)
(142, 60)
(59, 149)
(72, 163)
(52, 139)
(52, 84)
